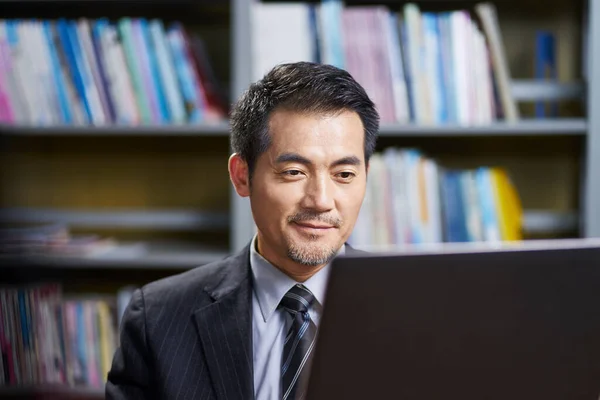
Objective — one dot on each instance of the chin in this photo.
(312, 251)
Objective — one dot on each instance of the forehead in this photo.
(316, 134)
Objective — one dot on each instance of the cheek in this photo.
(278, 201)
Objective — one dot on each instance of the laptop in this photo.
(515, 322)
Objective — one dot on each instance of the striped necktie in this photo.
(299, 343)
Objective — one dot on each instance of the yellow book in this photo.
(508, 206)
(107, 345)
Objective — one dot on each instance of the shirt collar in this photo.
(270, 284)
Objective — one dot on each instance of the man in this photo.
(244, 327)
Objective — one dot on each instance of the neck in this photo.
(298, 272)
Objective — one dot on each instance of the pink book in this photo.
(5, 348)
(6, 110)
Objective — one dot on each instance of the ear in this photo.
(238, 173)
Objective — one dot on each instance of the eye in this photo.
(346, 175)
(292, 172)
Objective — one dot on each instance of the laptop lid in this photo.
(521, 322)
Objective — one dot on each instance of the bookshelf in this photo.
(584, 131)
(558, 127)
(216, 130)
(175, 256)
(51, 392)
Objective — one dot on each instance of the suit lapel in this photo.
(225, 330)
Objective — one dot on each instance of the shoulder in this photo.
(196, 285)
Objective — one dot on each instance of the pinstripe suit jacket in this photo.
(189, 336)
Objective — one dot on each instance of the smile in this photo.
(312, 227)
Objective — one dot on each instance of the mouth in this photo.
(312, 227)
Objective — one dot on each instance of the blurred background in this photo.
(114, 142)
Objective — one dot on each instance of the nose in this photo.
(318, 194)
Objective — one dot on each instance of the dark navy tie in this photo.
(299, 343)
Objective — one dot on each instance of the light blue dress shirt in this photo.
(270, 325)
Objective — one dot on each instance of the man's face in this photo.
(307, 188)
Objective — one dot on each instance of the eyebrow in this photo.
(294, 157)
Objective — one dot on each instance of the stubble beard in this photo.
(311, 254)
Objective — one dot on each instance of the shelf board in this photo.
(207, 129)
(178, 255)
(166, 255)
(51, 391)
(168, 219)
(546, 127)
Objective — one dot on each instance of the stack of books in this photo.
(96, 72)
(418, 67)
(411, 199)
(48, 338)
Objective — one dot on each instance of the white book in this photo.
(458, 27)
(281, 33)
(473, 208)
(47, 74)
(401, 106)
(411, 161)
(398, 214)
(119, 73)
(488, 85)
(434, 209)
(28, 76)
(115, 90)
(99, 117)
(35, 91)
(487, 14)
(9, 77)
(473, 71)
(414, 34)
(378, 212)
(479, 79)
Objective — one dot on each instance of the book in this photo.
(413, 199)
(48, 338)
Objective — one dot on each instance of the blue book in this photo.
(184, 74)
(485, 189)
(455, 221)
(157, 83)
(441, 64)
(59, 79)
(314, 31)
(23, 317)
(545, 69)
(81, 342)
(331, 11)
(86, 77)
(446, 51)
(70, 53)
